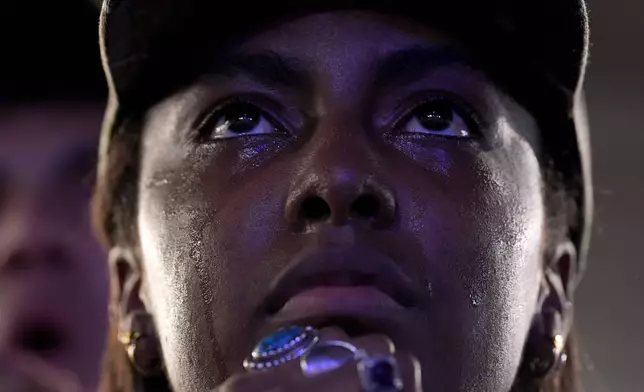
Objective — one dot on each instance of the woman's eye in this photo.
(237, 119)
(440, 117)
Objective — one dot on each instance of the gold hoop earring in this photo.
(547, 358)
(142, 352)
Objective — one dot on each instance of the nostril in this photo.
(315, 209)
(366, 207)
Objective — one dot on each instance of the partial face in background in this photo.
(343, 149)
(53, 279)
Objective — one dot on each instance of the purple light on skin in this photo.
(442, 162)
(253, 151)
(435, 159)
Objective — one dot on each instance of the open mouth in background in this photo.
(40, 337)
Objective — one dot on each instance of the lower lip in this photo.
(339, 300)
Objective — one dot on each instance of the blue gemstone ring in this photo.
(280, 347)
(379, 374)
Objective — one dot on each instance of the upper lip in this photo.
(354, 266)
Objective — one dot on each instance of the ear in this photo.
(560, 278)
(552, 322)
(136, 325)
(127, 284)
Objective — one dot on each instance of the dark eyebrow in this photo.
(399, 67)
(408, 65)
(267, 68)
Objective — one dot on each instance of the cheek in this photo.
(171, 223)
(193, 234)
(481, 222)
(483, 212)
(507, 220)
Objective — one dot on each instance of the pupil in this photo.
(435, 116)
(243, 118)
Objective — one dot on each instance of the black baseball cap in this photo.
(539, 49)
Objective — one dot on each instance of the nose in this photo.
(30, 242)
(340, 181)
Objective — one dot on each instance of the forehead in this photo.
(343, 51)
(342, 42)
(333, 32)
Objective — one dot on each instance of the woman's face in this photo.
(343, 169)
(53, 274)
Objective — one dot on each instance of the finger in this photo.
(375, 344)
(342, 379)
(262, 380)
(347, 378)
(279, 376)
(333, 333)
(286, 375)
(410, 372)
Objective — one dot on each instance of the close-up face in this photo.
(53, 275)
(343, 169)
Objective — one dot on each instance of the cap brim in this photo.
(550, 35)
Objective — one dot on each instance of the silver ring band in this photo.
(327, 356)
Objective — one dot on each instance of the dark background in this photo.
(610, 309)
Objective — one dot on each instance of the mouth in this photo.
(41, 337)
(340, 299)
(341, 282)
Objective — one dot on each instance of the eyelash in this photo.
(201, 127)
(462, 108)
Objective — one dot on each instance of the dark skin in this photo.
(340, 172)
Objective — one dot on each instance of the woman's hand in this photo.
(22, 373)
(289, 377)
